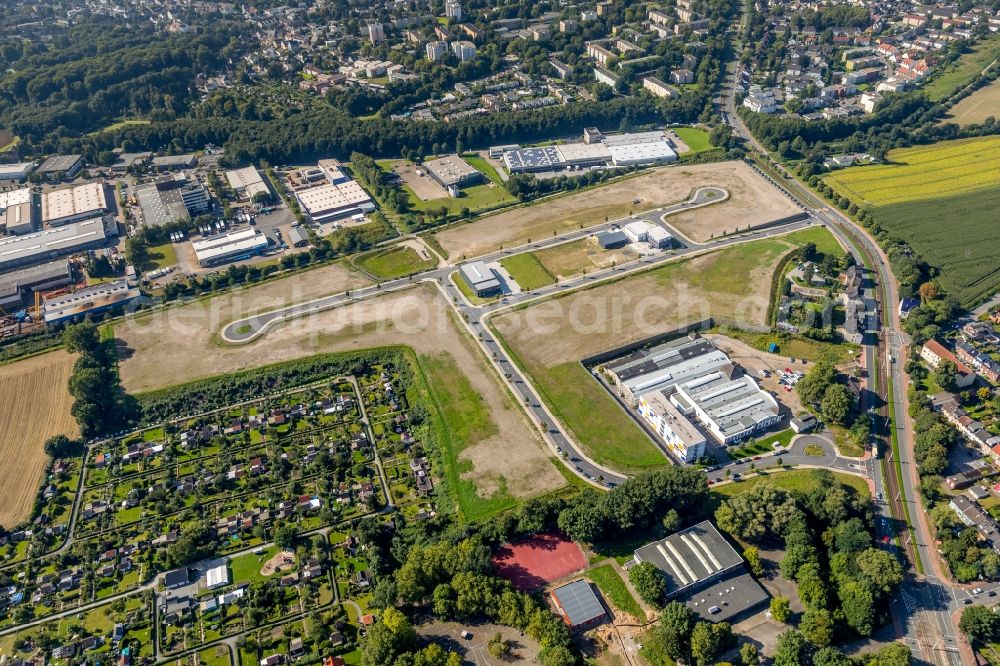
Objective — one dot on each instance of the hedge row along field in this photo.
(943, 200)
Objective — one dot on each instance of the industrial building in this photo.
(232, 246)
(688, 380)
(704, 572)
(171, 199)
(42, 246)
(88, 301)
(665, 365)
(481, 279)
(298, 236)
(17, 215)
(61, 167)
(620, 150)
(17, 172)
(610, 240)
(247, 182)
(174, 162)
(334, 202)
(72, 204)
(451, 171)
(578, 604)
(17, 288)
(684, 440)
(333, 171)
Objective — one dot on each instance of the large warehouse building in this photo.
(18, 287)
(687, 386)
(171, 199)
(17, 215)
(232, 246)
(452, 172)
(89, 300)
(704, 572)
(327, 203)
(619, 150)
(43, 246)
(247, 182)
(72, 204)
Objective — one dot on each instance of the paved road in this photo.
(475, 317)
(926, 602)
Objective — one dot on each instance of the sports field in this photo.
(34, 405)
(538, 560)
(977, 107)
(942, 169)
(942, 199)
(549, 338)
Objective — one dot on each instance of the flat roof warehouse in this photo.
(44, 245)
(74, 203)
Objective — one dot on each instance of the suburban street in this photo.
(923, 610)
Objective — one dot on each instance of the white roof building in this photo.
(217, 577)
(231, 246)
(247, 182)
(332, 202)
(643, 153)
(74, 203)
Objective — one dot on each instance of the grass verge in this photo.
(394, 263)
(611, 585)
(527, 271)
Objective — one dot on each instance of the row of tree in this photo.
(100, 404)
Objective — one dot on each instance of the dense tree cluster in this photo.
(100, 404)
(96, 73)
(842, 564)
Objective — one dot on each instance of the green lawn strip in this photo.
(527, 271)
(695, 139)
(899, 476)
(394, 263)
(466, 290)
(461, 419)
(608, 434)
(613, 587)
(792, 480)
(484, 167)
(824, 239)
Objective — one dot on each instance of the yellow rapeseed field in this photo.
(924, 172)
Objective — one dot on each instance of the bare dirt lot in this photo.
(425, 188)
(751, 202)
(419, 318)
(193, 328)
(977, 107)
(35, 406)
(573, 258)
(281, 561)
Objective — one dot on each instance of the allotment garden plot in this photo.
(228, 492)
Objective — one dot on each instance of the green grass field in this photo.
(395, 262)
(942, 199)
(464, 420)
(477, 197)
(613, 587)
(794, 346)
(968, 66)
(159, 256)
(696, 139)
(527, 271)
(484, 167)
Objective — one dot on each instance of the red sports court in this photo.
(538, 560)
